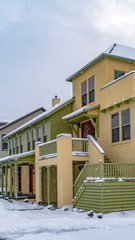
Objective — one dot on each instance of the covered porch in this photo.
(84, 121)
(17, 175)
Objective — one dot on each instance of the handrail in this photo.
(79, 145)
(106, 171)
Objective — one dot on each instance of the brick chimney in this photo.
(55, 101)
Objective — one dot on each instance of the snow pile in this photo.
(60, 224)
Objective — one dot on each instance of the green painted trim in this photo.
(126, 101)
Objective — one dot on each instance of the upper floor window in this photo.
(84, 93)
(21, 144)
(10, 147)
(126, 124)
(45, 132)
(115, 127)
(39, 133)
(14, 146)
(28, 141)
(17, 145)
(33, 138)
(91, 90)
(118, 74)
(4, 143)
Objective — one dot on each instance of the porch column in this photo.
(10, 180)
(6, 169)
(64, 170)
(48, 185)
(16, 187)
(2, 182)
(37, 173)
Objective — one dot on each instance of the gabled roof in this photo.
(114, 51)
(19, 119)
(79, 111)
(41, 116)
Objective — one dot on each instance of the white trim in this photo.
(118, 79)
(80, 139)
(79, 111)
(96, 144)
(43, 144)
(80, 154)
(16, 156)
(52, 155)
(66, 135)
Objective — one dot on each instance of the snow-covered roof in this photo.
(5, 121)
(17, 156)
(22, 117)
(116, 51)
(118, 79)
(40, 117)
(79, 111)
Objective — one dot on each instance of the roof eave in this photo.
(94, 61)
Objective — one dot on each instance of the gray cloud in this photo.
(43, 42)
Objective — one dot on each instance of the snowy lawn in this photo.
(38, 222)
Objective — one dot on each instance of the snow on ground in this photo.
(37, 222)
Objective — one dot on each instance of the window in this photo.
(17, 145)
(91, 90)
(14, 146)
(10, 147)
(84, 93)
(118, 74)
(39, 134)
(115, 127)
(4, 143)
(126, 124)
(45, 132)
(28, 141)
(21, 144)
(33, 138)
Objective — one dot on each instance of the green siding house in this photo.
(18, 168)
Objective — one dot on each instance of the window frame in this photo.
(39, 134)
(3, 143)
(45, 132)
(17, 145)
(119, 72)
(28, 140)
(124, 126)
(21, 144)
(91, 90)
(33, 138)
(84, 94)
(115, 129)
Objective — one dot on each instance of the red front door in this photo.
(19, 179)
(87, 129)
(31, 178)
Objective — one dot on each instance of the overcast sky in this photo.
(42, 42)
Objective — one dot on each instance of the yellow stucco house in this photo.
(95, 166)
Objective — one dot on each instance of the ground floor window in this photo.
(115, 127)
(126, 124)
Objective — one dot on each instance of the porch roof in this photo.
(15, 157)
(78, 114)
